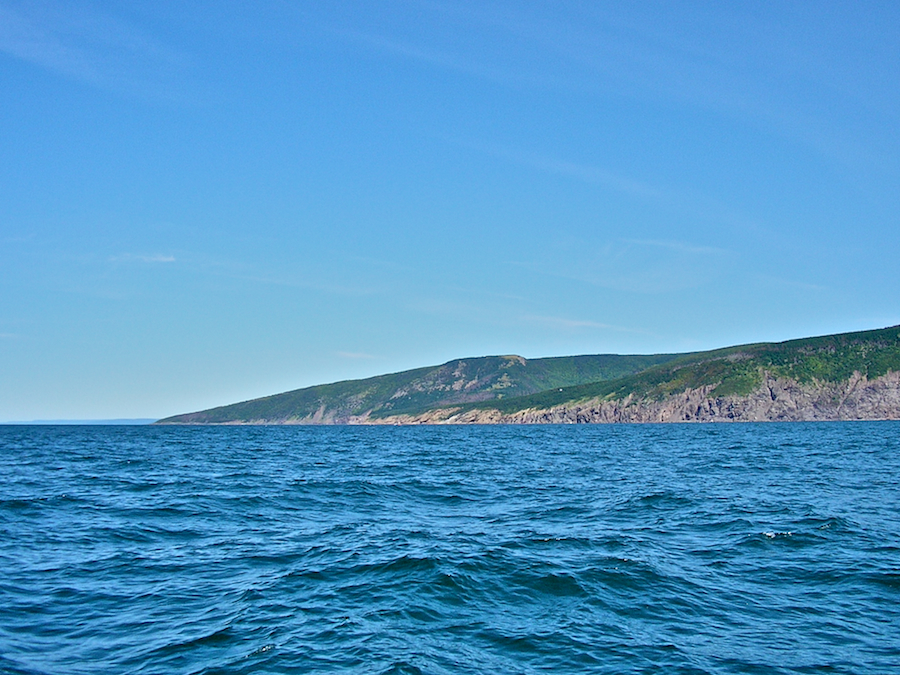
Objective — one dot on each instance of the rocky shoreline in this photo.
(775, 400)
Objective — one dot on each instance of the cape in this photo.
(848, 376)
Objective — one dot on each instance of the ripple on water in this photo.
(682, 549)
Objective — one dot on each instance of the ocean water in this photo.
(752, 548)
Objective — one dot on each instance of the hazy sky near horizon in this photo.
(206, 202)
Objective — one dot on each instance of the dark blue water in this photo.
(769, 548)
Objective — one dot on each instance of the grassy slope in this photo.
(414, 391)
(737, 370)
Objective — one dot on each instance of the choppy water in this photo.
(750, 548)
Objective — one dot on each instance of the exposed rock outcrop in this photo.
(777, 399)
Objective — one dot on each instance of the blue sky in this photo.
(206, 202)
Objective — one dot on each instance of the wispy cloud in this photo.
(129, 257)
(586, 173)
(572, 324)
(381, 263)
(753, 67)
(595, 175)
(320, 286)
(479, 292)
(692, 203)
(232, 269)
(8, 336)
(793, 283)
(678, 246)
(97, 48)
(355, 355)
(429, 55)
(17, 240)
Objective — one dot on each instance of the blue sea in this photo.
(685, 549)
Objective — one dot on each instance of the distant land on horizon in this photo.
(847, 376)
(125, 421)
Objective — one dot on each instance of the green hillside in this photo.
(458, 382)
(736, 371)
(511, 383)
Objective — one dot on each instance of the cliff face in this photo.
(777, 399)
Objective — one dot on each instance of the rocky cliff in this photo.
(778, 399)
